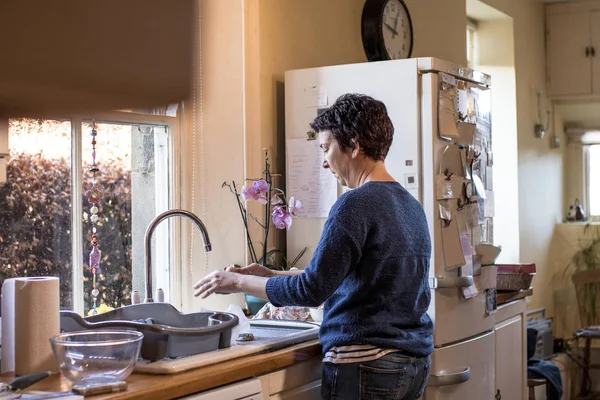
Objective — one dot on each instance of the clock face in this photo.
(396, 30)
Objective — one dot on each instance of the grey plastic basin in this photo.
(167, 332)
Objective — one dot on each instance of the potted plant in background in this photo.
(279, 212)
(587, 258)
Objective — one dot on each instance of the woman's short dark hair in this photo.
(361, 118)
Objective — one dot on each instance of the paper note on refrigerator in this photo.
(453, 255)
(465, 244)
(489, 205)
(308, 181)
(315, 96)
(487, 278)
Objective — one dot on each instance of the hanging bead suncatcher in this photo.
(94, 196)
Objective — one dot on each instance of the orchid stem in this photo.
(245, 220)
(257, 221)
(267, 206)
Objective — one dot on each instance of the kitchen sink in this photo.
(268, 335)
(168, 334)
(281, 333)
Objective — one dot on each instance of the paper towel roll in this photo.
(30, 316)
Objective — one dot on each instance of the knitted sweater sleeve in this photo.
(334, 256)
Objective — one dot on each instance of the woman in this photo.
(370, 267)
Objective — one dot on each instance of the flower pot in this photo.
(254, 304)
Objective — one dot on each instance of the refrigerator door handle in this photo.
(447, 379)
(455, 282)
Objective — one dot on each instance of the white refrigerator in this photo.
(441, 153)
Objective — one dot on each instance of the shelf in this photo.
(505, 297)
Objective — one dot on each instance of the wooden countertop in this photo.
(162, 387)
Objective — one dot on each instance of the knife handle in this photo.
(25, 381)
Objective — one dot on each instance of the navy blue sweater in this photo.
(371, 269)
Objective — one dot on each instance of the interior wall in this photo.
(314, 33)
(496, 56)
(303, 34)
(267, 37)
(285, 35)
(213, 151)
(540, 166)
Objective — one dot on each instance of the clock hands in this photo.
(396, 24)
(391, 29)
(394, 29)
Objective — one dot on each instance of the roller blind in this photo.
(79, 55)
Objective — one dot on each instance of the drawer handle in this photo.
(455, 282)
(447, 379)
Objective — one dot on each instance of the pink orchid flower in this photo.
(258, 191)
(294, 206)
(281, 218)
(276, 200)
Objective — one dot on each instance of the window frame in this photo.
(173, 176)
(586, 179)
(471, 42)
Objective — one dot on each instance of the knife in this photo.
(77, 392)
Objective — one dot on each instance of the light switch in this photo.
(410, 181)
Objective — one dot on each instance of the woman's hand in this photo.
(252, 269)
(220, 282)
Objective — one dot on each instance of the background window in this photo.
(35, 204)
(135, 191)
(36, 208)
(471, 43)
(593, 174)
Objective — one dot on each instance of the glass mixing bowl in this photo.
(96, 356)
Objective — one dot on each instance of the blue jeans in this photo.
(391, 377)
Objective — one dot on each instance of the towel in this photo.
(540, 369)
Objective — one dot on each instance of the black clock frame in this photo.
(372, 30)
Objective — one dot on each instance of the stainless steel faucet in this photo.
(148, 240)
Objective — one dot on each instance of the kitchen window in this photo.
(44, 231)
(592, 162)
(471, 43)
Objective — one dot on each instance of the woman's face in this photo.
(335, 160)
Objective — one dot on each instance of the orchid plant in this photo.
(278, 209)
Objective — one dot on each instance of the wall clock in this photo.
(386, 30)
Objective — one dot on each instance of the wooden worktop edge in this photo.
(161, 387)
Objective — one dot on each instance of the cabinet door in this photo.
(595, 33)
(464, 370)
(569, 68)
(310, 391)
(510, 359)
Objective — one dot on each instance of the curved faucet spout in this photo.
(148, 242)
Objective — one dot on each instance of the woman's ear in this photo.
(356, 149)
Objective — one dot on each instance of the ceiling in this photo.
(480, 11)
(579, 114)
